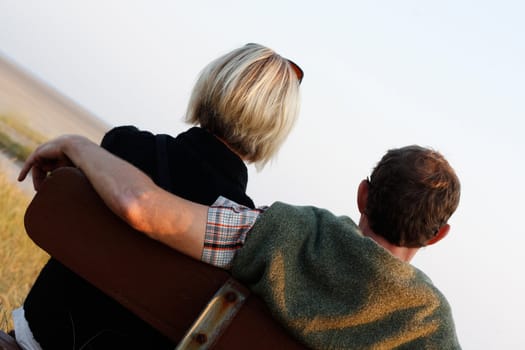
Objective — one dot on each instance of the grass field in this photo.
(22, 128)
(20, 258)
(17, 139)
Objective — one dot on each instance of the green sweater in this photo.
(333, 288)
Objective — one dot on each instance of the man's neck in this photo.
(403, 253)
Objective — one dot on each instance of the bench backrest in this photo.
(165, 288)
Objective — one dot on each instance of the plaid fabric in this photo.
(226, 230)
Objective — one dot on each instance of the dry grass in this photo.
(17, 139)
(20, 258)
(21, 128)
(13, 148)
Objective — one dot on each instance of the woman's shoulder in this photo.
(129, 143)
(124, 133)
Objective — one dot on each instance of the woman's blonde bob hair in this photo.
(249, 98)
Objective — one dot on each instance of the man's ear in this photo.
(362, 196)
(442, 232)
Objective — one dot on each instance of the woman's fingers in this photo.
(47, 157)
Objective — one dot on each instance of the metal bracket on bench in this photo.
(216, 317)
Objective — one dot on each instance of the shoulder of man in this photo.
(322, 260)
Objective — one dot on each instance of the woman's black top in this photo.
(66, 312)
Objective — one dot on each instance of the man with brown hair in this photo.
(409, 198)
(331, 283)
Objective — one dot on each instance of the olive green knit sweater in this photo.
(332, 288)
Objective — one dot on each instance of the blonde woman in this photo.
(243, 106)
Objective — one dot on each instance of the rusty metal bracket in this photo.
(215, 318)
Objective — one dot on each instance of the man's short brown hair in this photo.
(413, 191)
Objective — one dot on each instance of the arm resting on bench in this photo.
(165, 288)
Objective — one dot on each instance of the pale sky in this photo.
(378, 75)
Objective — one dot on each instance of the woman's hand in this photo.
(47, 157)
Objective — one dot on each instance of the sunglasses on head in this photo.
(298, 71)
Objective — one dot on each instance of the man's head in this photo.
(411, 194)
(249, 98)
